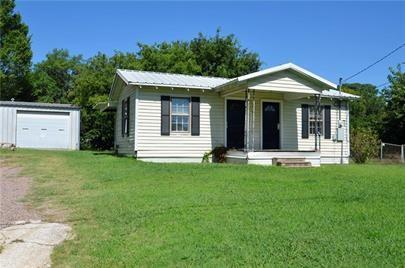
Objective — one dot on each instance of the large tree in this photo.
(394, 120)
(210, 56)
(52, 79)
(223, 56)
(368, 111)
(15, 54)
(92, 85)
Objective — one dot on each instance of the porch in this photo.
(276, 118)
(275, 157)
(271, 127)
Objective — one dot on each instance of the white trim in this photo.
(281, 118)
(284, 67)
(180, 132)
(168, 85)
(226, 117)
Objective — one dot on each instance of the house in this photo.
(39, 125)
(263, 116)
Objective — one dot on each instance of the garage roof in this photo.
(39, 105)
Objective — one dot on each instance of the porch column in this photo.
(247, 115)
(253, 119)
(317, 109)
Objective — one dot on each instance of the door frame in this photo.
(280, 119)
(226, 117)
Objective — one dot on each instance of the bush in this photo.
(364, 145)
(218, 155)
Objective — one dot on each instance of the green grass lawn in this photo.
(129, 213)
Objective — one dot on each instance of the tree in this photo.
(52, 79)
(368, 111)
(92, 85)
(15, 54)
(223, 56)
(394, 120)
(219, 55)
(175, 57)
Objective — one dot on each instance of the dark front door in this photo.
(235, 117)
(271, 125)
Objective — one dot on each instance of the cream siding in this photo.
(151, 144)
(125, 144)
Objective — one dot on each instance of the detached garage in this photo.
(40, 125)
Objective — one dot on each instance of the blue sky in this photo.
(332, 39)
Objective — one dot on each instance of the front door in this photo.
(271, 125)
(235, 117)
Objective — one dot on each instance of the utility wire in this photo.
(384, 84)
(371, 65)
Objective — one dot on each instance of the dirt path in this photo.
(25, 241)
(13, 188)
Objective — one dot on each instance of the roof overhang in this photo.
(284, 67)
(106, 106)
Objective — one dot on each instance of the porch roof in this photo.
(284, 67)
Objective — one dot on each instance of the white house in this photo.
(39, 125)
(263, 117)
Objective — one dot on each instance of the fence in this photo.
(392, 152)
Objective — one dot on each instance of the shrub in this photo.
(218, 155)
(364, 144)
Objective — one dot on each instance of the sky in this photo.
(331, 39)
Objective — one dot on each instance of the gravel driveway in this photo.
(25, 241)
(12, 189)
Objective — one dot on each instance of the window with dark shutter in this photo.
(127, 116)
(305, 121)
(327, 121)
(165, 115)
(195, 116)
(122, 118)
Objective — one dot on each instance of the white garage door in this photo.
(43, 130)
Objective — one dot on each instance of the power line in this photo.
(371, 65)
(383, 84)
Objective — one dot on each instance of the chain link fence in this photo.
(390, 152)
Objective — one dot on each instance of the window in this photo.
(312, 120)
(125, 117)
(180, 116)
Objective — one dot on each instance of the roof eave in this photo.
(168, 85)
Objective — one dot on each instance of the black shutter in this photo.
(127, 117)
(122, 118)
(327, 123)
(165, 115)
(305, 121)
(195, 116)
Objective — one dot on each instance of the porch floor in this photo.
(266, 157)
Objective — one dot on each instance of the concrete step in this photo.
(291, 162)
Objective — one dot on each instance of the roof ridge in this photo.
(191, 75)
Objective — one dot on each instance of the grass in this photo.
(130, 213)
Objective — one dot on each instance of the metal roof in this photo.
(331, 93)
(38, 105)
(279, 68)
(144, 78)
(170, 80)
